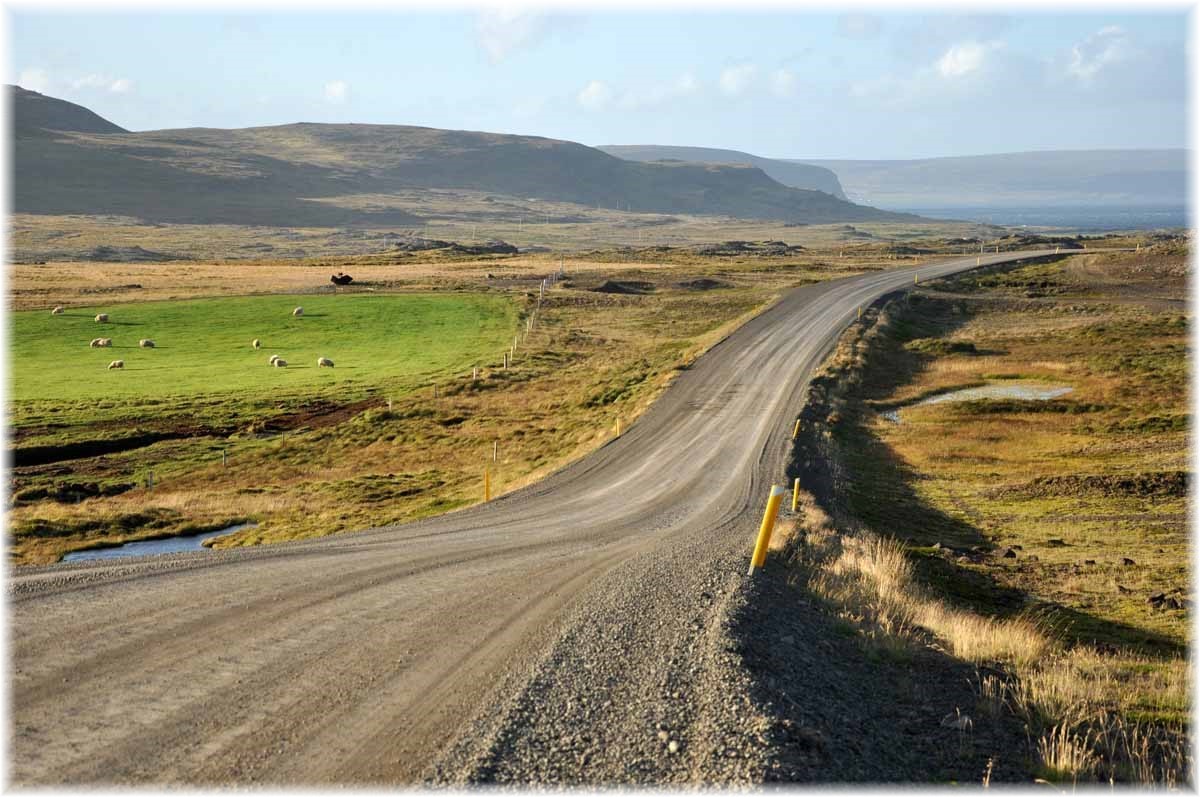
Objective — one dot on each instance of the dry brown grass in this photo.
(1094, 673)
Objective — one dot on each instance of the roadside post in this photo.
(795, 494)
(618, 427)
(796, 429)
(487, 485)
(768, 525)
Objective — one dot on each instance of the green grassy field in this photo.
(203, 350)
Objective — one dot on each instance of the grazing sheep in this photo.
(116, 364)
(274, 357)
(279, 363)
(146, 343)
(101, 318)
(106, 342)
(256, 343)
(324, 362)
(57, 310)
(101, 343)
(95, 344)
(299, 311)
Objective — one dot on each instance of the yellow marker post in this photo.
(914, 279)
(487, 485)
(768, 525)
(860, 312)
(795, 493)
(796, 429)
(618, 430)
(978, 260)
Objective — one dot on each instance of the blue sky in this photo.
(774, 82)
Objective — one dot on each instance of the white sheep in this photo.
(101, 318)
(299, 311)
(116, 364)
(58, 310)
(274, 357)
(280, 363)
(324, 362)
(146, 343)
(104, 343)
(256, 343)
(95, 344)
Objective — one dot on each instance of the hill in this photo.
(1019, 179)
(318, 174)
(795, 174)
(34, 114)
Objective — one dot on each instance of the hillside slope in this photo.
(791, 173)
(277, 175)
(35, 113)
(1082, 177)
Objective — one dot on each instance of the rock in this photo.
(663, 736)
(673, 746)
(1089, 561)
(1008, 553)
(1156, 598)
(1056, 542)
(957, 721)
(1172, 603)
(1125, 560)
(1123, 590)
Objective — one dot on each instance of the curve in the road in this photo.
(435, 650)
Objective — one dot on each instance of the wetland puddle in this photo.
(193, 542)
(1020, 391)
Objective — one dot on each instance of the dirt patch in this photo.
(626, 287)
(1164, 484)
(127, 254)
(735, 248)
(703, 284)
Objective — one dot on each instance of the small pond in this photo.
(192, 542)
(1021, 391)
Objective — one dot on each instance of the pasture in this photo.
(203, 351)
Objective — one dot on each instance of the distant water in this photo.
(193, 542)
(1081, 218)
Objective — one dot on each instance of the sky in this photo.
(775, 82)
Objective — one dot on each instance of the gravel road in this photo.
(582, 630)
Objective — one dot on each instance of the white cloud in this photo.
(1106, 46)
(658, 95)
(102, 83)
(965, 58)
(336, 91)
(34, 80)
(783, 83)
(595, 96)
(736, 79)
(502, 32)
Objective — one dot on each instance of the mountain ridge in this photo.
(1139, 176)
(788, 172)
(308, 174)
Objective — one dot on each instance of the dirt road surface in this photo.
(575, 631)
